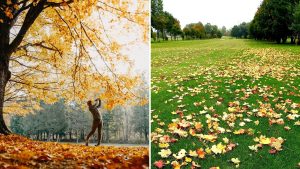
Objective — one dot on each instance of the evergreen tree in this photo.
(273, 20)
(296, 23)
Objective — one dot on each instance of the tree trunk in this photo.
(82, 137)
(107, 132)
(284, 39)
(4, 73)
(145, 134)
(7, 48)
(157, 36)
(48, 136)
(70, 135)
(76, 133)
(292, 40)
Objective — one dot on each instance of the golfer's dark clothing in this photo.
(95, 112)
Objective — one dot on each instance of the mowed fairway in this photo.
(215, 100)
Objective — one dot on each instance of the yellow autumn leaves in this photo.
(69, 52)
(20, 152)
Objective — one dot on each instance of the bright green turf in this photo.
(172, 61)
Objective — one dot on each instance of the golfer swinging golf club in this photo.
(97, 120)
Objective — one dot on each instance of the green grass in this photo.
(218, 68)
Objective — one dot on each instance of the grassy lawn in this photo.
(212, 99)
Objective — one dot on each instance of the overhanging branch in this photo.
(58, 4)
(32, 14)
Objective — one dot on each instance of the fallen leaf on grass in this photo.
(159, 164)
(273, 151)
(201, 153)
(181, 154)
(164, 153)
(236, 161)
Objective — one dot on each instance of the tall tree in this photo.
(224, 30)
(172, 25)
(16, 124)
(194, 30)
(158, 18)
(176, 28)
(50, 46)
(240, 31)
(156, 8)
(214, 31)
(235, 31)
(296, 23)
(273, 20)
(140, 120)
(208, 30)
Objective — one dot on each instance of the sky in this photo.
(217, 12)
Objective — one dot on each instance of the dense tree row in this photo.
(240, 31)
(277, 20)
(296, 24)
(69, 122)
(200, 31)
(166, 26)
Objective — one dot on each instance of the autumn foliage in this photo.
(20, 152)
(69, 49)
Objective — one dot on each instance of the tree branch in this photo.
(32, 67)
(38, 44)
(32, 14)
(58, 4)
(120, 10)
(18, 12)
(35, 85)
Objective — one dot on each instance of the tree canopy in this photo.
(163, 22)
(194, 30)
(296, 23)
(240, 31)
(273, 20)
(200, 31)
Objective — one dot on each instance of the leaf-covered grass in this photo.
(227, 85)
(22, 153)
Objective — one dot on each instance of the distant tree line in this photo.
(240, 31)
(200, 31)
(275, 20)
(69, 122)
(165, 26)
